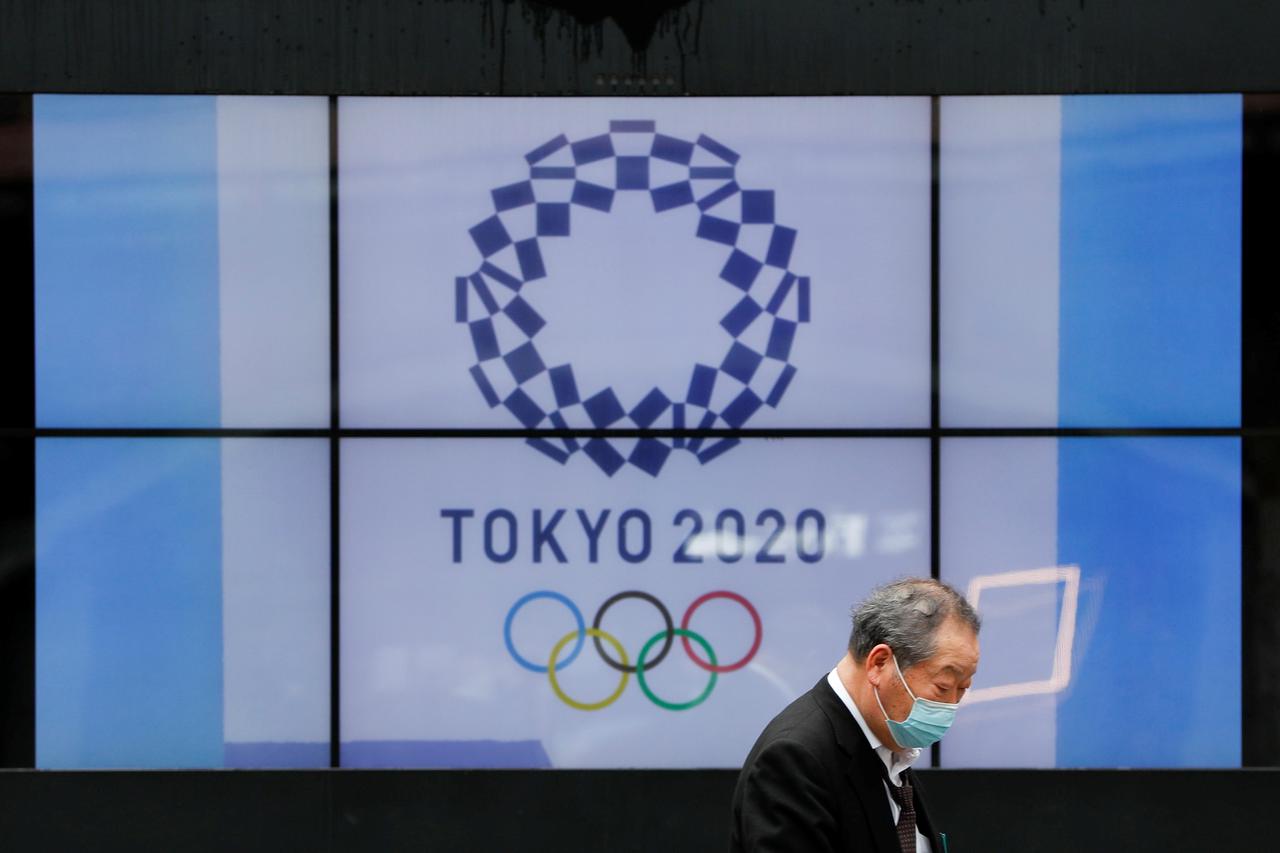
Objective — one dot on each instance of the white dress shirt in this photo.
(894, 762)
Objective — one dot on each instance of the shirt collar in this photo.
(894, 762)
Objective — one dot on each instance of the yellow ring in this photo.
(574, 703)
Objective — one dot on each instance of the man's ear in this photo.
(878, 659)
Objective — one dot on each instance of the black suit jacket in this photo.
(812, 782)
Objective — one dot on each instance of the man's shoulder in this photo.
(789, 795)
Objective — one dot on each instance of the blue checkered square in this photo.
(650, 408)
(633, 173)
(649, 456)
(672, 195)
(593, 149)
(553, 220)
(524, 362)
(604, 408)
(757, 207)
(593, 196)
(604, 455)
(490, 236)
(741, 270)
(742, 362)
(526, 411)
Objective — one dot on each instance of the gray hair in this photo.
(906, 615)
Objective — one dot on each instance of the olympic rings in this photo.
(755, 644)
(588, 706)
(666, 617)
(511, 615)
(622, 664)
(644, 685)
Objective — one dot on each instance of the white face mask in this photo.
(927, 722)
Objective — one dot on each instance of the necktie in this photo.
(906, 814)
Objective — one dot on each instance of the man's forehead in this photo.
(938, 667)
(957, 653)
(952, 668)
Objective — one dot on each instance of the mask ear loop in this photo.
(876, 691)
(903, 679)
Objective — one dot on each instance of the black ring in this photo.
(666, 617)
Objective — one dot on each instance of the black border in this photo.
(1260, 453)
(935, 359)
(17, 449)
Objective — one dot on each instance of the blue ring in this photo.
(544, 593)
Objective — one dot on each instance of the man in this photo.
(831, 772)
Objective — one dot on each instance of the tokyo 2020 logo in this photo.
(770, 299)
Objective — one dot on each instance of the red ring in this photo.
(755, 617)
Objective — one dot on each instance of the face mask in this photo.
(927, 722)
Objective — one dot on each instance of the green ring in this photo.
(662, 703)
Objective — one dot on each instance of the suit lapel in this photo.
(862, 770)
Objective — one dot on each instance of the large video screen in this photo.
(477, 432)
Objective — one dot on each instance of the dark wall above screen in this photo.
(700, 47)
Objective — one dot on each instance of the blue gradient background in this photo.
(126, 225)
(128, 603)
